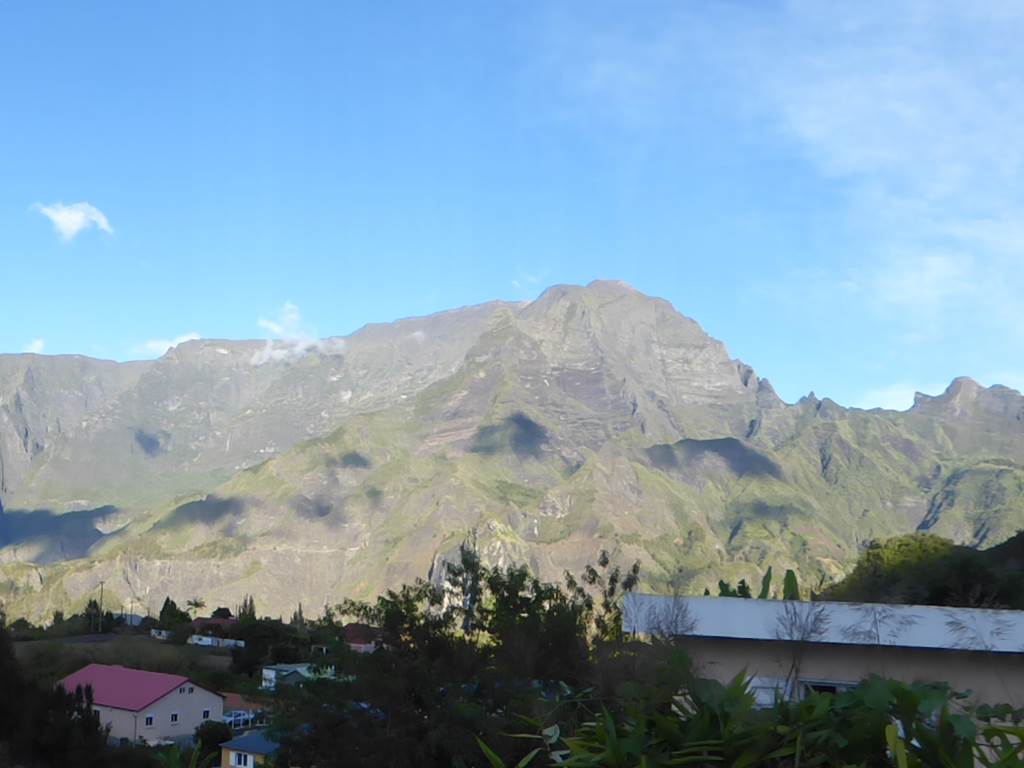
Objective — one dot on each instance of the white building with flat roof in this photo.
(792, 646)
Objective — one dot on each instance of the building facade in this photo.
(141, 706)
(788, 648)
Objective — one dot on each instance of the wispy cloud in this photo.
(924, 283)
(911, 109)
(290, 337)
(36, 346)
(69, 220)
(526, 285)
(158, 347)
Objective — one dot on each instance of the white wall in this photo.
(189, 707)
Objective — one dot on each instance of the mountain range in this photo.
(594, 417)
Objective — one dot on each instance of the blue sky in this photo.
(834, 190)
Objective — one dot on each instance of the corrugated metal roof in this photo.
(910, 626)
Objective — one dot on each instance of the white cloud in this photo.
(158, 347)
(35, 346)
(69, 220)
(525, 284)
(289, 337)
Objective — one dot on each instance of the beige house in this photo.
(150, 707)
(787, 648)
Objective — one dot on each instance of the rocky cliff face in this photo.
(592, 417)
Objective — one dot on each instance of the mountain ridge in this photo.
(591, 417)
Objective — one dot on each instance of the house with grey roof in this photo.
(249, 749)
(292, 674)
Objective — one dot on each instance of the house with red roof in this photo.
(137, 705)
(361, 638)
(241, 712)
(220, 626)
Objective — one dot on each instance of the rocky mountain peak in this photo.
(592, 417)
(965, 395)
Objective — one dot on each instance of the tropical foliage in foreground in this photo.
(494, 667)
(703, 723)
(497, 668)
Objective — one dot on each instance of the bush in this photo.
(209, 736)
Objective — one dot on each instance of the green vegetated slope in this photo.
(925, 569)
(593, 417)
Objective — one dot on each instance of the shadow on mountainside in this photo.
(739, 457)
(350, 460)
(205, 511)
(50, 536)
(517, 433)
(152, 443)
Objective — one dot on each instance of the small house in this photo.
(361, 638)
(214, 625)
(292, 674)
(247, 750)
(145, 706)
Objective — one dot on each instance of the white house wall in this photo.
(131, 725)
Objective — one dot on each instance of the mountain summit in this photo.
(594, 417)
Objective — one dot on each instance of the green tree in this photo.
(92, 615)
(766, 585)
(611, 584)
(171, 616)
(790, 587)
(208, 738)
(247, 610)
(743, 589)
(42, 726)
(725, 589)
(196, 604)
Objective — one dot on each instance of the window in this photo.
(96, 712)
(240, 758)
(181, 690)
(149, 721)
(824, 686)
(206, 714)
(174, 717)
(766, 690)
(191, 690)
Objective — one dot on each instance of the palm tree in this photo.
(195, 604)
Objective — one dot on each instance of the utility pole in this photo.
(101, 606)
